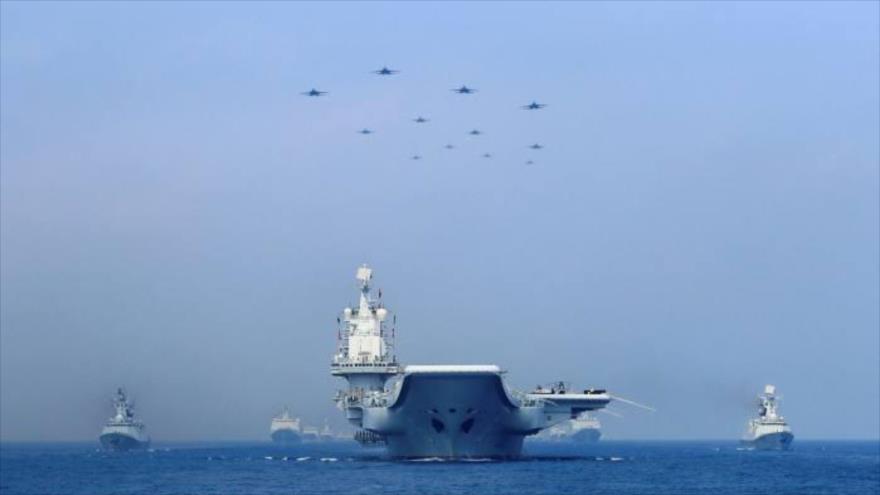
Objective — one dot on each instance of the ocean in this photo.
(608, 467)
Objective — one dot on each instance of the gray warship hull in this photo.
(457, 415)
(120, 442)
(286, 437)
(771, 441)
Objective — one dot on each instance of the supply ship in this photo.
(582, 429)
(446, 411)
(769, 431)
(285, 429)
(123, 431)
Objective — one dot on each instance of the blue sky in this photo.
(177, 218)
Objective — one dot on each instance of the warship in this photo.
(285, 429)
(769, 431)
(582, 429)
(123, 431)
(311, 434)
(445, 411)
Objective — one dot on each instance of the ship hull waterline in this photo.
(120, 442)
(286, 437)
(771, 441)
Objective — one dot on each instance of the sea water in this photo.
(715, 468)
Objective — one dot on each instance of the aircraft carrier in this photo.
(446, 411)
(123, 431)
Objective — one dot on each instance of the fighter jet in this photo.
(420, 120)
(529, 162)
(464, 90)
(475, 132)
(365, 131)
(487, 155)
(449, 146)
(385, 71)
(313, 92)
(534, 106)
(416, 157)
(536, 146)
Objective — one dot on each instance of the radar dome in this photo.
(347, 313)
(381, 313)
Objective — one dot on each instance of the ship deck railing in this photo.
(369, 400)
(368, 364)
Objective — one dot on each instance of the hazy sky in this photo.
(178, 219)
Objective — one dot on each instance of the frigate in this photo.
(285, 429)
(123, 431)
(445, 411)
(769, 431)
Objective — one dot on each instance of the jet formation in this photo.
(462, 90)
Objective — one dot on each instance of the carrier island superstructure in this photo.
(769, 431)
(436, 410)
(123, 431)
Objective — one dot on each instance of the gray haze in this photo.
(177, 219)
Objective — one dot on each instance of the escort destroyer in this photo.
(122, 431)
(769, 431)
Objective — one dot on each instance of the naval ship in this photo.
(768, 431)
(446, 411)
(582, 429)
(285, 429)
(123, 431)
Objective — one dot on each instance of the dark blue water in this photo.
(715, 468)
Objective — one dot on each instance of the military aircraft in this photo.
(365, 131)
(313, 92)
(487, 155)
(420, 120)
(534, 106)
(536, 146)
(529, 162)
(475, 132)
(385, 71)
(416, 157)
(449, 146)
(464, 90)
